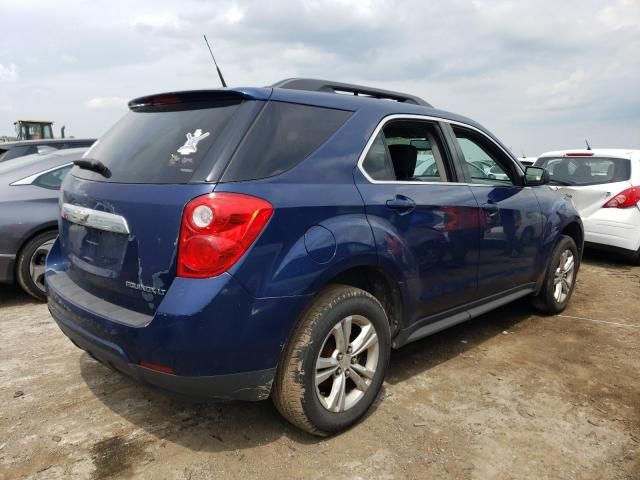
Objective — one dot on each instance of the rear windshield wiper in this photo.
(94, 165)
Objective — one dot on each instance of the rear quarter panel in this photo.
(319, 191)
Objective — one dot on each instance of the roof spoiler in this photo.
(315, 85)
(187, 99)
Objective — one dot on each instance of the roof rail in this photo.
(315, 85)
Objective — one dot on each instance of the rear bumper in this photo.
(251, 386)
(7, 267)
(614, 227)
(216, 339)
(622, 252)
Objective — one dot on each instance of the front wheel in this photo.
(333, 367)
(560, 278)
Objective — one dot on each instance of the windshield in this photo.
(586, 170)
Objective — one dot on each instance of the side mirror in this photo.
(534, 176)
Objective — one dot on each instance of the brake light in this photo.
(580, 154)
(625, 199)
(217, 229)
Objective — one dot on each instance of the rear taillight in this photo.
(580, 154)
(217, 229)
(625, 199)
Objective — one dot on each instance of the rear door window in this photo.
(407, 151)
(580, 171)
(283, 135)
(161, 145)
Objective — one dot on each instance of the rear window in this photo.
(161, 146)
(282, 136)
(586, 170)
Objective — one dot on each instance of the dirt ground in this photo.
(507, 395)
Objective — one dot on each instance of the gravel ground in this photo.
(507, 395)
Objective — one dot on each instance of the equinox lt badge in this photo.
(144, 288)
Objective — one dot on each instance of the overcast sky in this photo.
(541, 75)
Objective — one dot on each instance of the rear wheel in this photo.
(31, 263)
(560, 278)
(333, 367)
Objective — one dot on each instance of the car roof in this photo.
(20, 167)
(44, 141)
(375, 107)
(595, 152)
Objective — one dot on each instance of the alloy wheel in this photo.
(37, 263)
(347, 363)
(563, 279)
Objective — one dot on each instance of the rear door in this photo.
(512, 222)
(424, 224)
(119, 230)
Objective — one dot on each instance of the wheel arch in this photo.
(374, 280)
(47, 227)
(575, 230)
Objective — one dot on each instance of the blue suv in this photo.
(248, 243)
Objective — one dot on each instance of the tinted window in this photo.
(52, 179)
(483, 162)
(586, 170)
(159, 146)
(377, 163)
(282, 136)
(20, 151)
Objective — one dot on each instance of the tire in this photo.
(550, 300)
(31, 262)
(295, 393)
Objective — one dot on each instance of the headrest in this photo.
(404, 158)
(583, 172)
(561, 170)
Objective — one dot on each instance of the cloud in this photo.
(8, 73)
(106, 103)
(535, 78)
(622, 14)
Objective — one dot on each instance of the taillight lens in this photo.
(625, 199)
(217, 229)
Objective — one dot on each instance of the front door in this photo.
(512, 223)
(424, 225)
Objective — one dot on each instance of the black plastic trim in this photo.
(249, 386)
(435, 323)
(316, 85)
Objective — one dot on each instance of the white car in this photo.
(604, 185)
(527, 161)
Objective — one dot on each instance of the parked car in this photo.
(254, 242)
(11, 150)
(604, 185)
(29, 190)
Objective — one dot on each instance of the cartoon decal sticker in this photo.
(191, 145)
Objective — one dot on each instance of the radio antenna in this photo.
(224, 84)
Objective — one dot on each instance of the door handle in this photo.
(490, 208)
(401, 204)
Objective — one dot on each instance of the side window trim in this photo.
(446, 156)
(450, 142)
(481, 139)
(32, 178)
